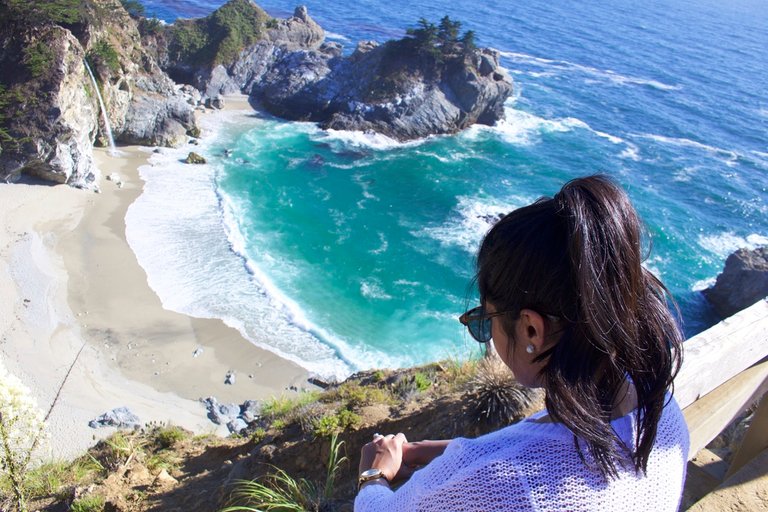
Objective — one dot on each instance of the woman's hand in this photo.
(384, 453)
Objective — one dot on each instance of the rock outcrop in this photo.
(49, 110)
(51, 120)
(406, 89)
(743, 282)
(389, 89)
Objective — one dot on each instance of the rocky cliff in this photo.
(49, 109)
(430, 82)
(390, 89)
(743, 282)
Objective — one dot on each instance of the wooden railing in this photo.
(725, 371)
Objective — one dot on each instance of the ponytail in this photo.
(578, 256)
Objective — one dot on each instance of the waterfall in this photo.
(112, 150)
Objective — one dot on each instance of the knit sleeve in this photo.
(454, 481)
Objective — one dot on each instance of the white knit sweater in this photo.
(534, 466)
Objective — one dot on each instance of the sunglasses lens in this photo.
(479, 326)
(480, 329)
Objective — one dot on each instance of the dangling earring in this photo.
(530, 348)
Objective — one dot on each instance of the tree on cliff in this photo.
(441, 41)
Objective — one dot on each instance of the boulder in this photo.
(194, 158)
(120, 417)
(743, 282)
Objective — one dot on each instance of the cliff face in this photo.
(51, 120)
(49, 110)
(228, 51)
(743, 282)
(431, 82)
(389, 89)
(406, 89)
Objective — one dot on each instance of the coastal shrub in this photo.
(28, 13)
(258, 435)
(6, 98)
(166, 436)
(354, 396)
(38, 58)
(150, 26)
(134, 7)
(91, 503)
(286, 408)
(22, 433)
(422, 381)
(115, 451)
(219, 37)
(279, 491)
(104, 53)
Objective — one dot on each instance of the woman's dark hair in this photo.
(578, 256)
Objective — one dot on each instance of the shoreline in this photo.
(70, 282)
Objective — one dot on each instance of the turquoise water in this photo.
(345, 251)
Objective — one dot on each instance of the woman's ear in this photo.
(531, 329)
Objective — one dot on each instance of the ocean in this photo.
(344, 251)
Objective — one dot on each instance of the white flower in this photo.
(22, 427)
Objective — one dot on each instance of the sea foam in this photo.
(197, 262)
(602, 74)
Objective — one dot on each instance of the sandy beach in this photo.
(69, 281)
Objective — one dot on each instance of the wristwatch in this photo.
(368, 475)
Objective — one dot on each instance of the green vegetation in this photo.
(38, 58)
(167, 436)
(281, 492)
(104, 53)
(218, 38)
(88, 504)
(441, 41)
(134, 7)
(334, 424)
(45, 12)
(427, 51)
(287, 407)
(422, 381)
(6, 100)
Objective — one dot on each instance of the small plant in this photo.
(422, 381)
(284, 411)
(22, 431)
(281, 492)
(498, 398)
(327, 426)
(91, 503)
(258, 435)
(167, 436)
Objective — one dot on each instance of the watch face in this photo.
(370, 473)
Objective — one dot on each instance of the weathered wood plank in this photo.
(710, 414)
(755, 440)
(721, 352)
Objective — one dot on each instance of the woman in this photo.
(569, 309)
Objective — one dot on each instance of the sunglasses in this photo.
(478, 323)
